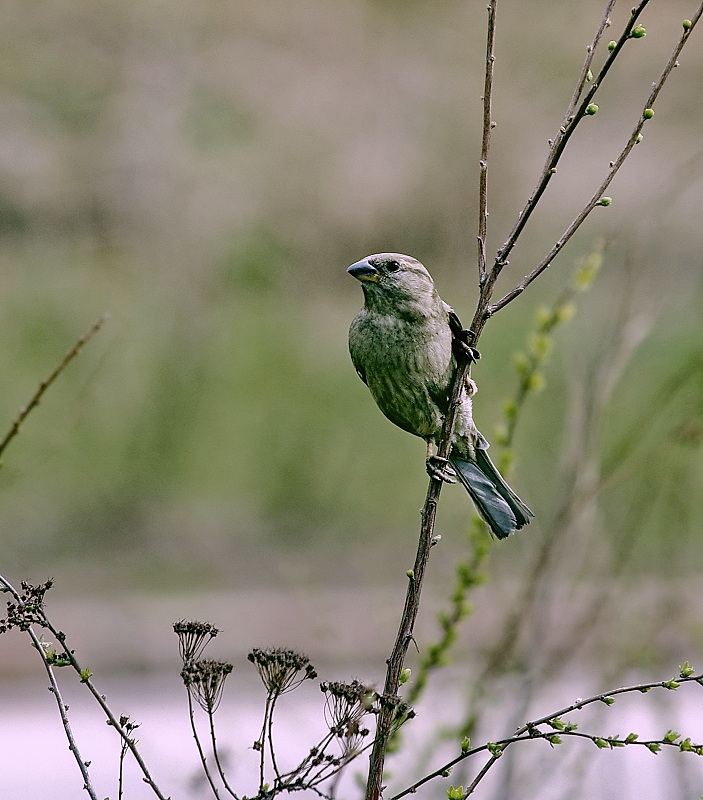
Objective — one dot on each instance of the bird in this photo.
(404, 345)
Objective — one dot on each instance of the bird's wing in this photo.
(454, 322)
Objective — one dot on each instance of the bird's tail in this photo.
(497, 504)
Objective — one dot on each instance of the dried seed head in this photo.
(193, 638)
(345, 706)
(205, 680)
(280, 668)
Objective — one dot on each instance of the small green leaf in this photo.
(686, 670)
(556, 723)
(671, 736)
(632, 737)
(555, 739)
(654, 747)
(455, 793)
(86, 675)
(672, 685)
(686, 745)
(638, 32)
(465, 745)
(601, 743)
(405, 675)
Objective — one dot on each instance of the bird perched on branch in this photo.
(404, 345)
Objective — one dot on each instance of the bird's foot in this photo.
(462, 348)
(438, 468)
(464, 352)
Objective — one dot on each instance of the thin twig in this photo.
(213, 738)
(528, 730)
(485, 143)
(44, 385)
(614, 168)
(201, 753)
(100, 699)
(54, 689)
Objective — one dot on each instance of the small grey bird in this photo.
(403, 344)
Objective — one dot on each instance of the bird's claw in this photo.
(438, 468)
(463, 350)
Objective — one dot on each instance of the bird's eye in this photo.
(392, 266)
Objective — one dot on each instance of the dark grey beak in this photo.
(363, 271)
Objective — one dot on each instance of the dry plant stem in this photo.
(112, 720)
(527, 731)
(54, 689)
(614, 168)
(72, 746)
(213, 738)
(485, 143)
(203, 759)
(44, 385)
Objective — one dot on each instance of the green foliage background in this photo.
(204, 171)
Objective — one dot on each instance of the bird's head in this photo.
(394, 280)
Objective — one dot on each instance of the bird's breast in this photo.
(407, 367)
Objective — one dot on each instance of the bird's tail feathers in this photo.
(498, 506)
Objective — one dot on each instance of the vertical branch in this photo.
(486, 143)
(203, 759)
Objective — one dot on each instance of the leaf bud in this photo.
(648, 113)
(638, 32)
(591, 109)
(612, 45)
(687, 24)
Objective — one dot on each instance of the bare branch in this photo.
(486, 142)
(597, 199)
(44, 385)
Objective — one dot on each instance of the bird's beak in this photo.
(363, 271)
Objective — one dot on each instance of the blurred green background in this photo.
(205, 171)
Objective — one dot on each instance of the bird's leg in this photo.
(437, 467)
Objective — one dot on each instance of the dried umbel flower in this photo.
(345, 707)
(193, 636)
(205, 680)
(280, 669)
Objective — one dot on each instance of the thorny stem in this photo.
(527, 732)
(44, 385)
(485, 143)
(203, 759)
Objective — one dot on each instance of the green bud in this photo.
(556, 723)
(671, 736)
(455, 793)
(521, 364)
(535, 383)
(495, 750)
(686, 745)
(654, 747)
(672, 685)
(566, 311)
(645, 689)
(510, 409)
(545, 318)
(555, 739)
(447, 772)
(605, 201)
(410, 573)
(591, 109)
(466, 745)
(687, 24)
(540, 345)
(686, 670)
(612, 45)
(632, 737)
(589, 76)
(601, 743)
(86, 675)
(648, 113)
(608, 700)
(405, 675)
(638, 32)
(639, 138)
